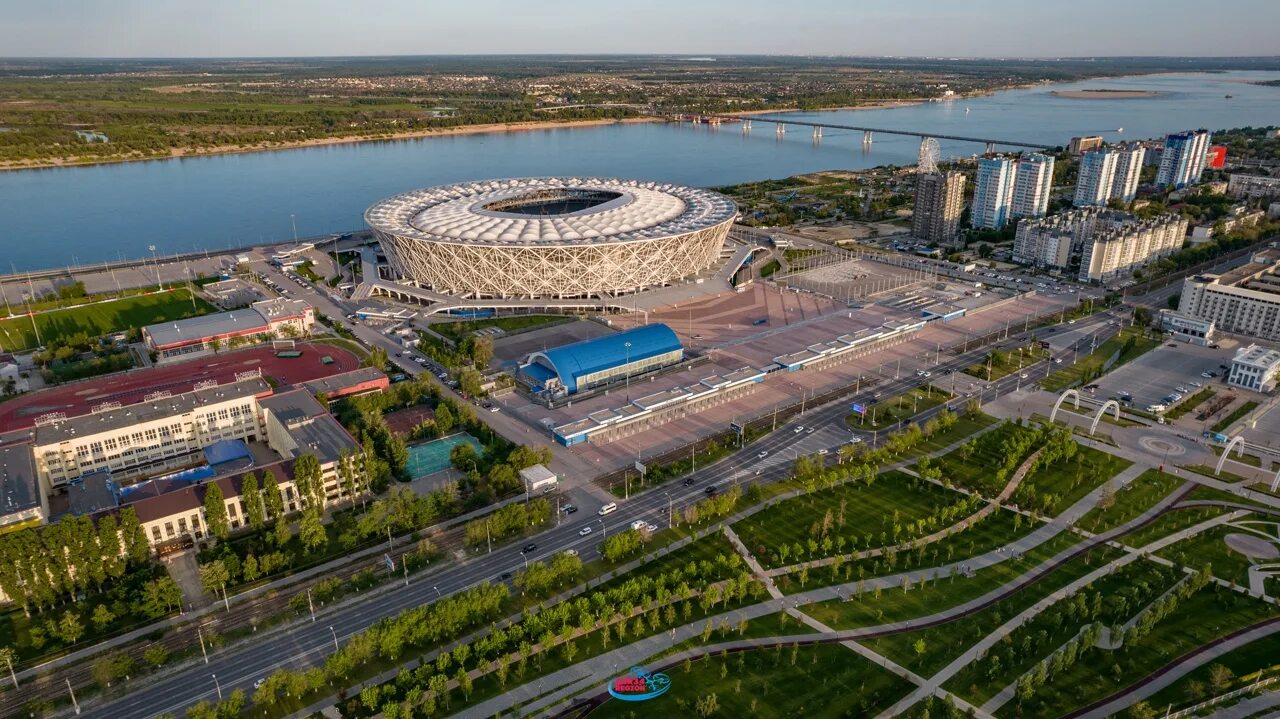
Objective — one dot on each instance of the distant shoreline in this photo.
(1104, 94)
(180, 152)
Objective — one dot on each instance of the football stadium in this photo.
(551, 237)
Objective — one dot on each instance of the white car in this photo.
(261, 680)
(1180, 389)
(763, 454)
(571, 552)
(824, 450)
(1196, 384)
(799, 429)
(855, 440)
(584, 531)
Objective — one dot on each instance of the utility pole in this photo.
(203, 651)
(311, 606)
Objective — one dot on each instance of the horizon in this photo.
(138, 29)
(691, 56)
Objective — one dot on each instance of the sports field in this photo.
(17, 333)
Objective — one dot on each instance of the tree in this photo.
(155, 655)
(214, 576)
(102, 617)
(311, 530)
(1142, 710)
(255, 511)
(272, 502)
(481, 352)
(470, 381)
(707, 705)
(307, 479)
(919, 647)
(215, 511)
(1220, 678)
(377, 358)
(132, 538)
(69, 628)
(444, 419)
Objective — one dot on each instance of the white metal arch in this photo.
(1236, 441)
(1111, 404)
(1275, 482)
(1074, 394)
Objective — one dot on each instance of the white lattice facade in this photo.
(592, 236)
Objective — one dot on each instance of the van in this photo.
(608, 509)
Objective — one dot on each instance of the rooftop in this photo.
(337, 384)
(196, 329)
(1256, 356)
(92, 493)
(19, 489)
(148, 411)
(310, 425)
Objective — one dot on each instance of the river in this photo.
(59, 216)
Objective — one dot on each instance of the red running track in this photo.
(79, 397)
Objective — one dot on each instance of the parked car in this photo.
(568, 509)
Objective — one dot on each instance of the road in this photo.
(306, 644)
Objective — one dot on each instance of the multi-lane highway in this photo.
(306, 643)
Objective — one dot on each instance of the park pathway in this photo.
(588, 678)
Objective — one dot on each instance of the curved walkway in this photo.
(1175, 670)
(992, 506)
(585, 680)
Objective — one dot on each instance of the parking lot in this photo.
(1161, 371)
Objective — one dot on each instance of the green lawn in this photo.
(1135, 498)
(1248, 663)
(890, 412)
(1067, 481)
(862, 516)
(1005, 362)
(996, 530)
(1209, 548)
(1190, 403)
(1173, 520)
(944, 642)
(770, 267)
(1117, 597)
(457, 331)
(965, 426)
(101, 319)
(1210, 613)
(895, 605)
(1252, 460)
(825, 680)
(1226, 422)
(1090, 366)
(976, 472)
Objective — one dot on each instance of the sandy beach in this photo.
(1105, 94)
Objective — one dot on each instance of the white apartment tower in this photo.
(1124, 184)
(1096, 176)
(1032, 183)
(993, 195)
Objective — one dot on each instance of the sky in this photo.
(964, 28)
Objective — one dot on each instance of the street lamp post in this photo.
(335, 638)
(217, 685)
(627, 346)
(72, 692)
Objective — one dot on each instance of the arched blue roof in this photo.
(580, 358)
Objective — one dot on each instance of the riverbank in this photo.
(180, 152)
(885, 105)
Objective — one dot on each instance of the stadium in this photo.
(551, 237)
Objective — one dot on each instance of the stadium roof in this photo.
(581, 358)
(591, 210)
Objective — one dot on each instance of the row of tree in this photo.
(40, 566)
(507, 521)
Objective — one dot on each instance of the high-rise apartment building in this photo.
(1032, 183)
(939, 203)
(993, 194)
(1109, 243)
(1095, 177)
(1243, 301)
(1124, 183)
(1183, 159)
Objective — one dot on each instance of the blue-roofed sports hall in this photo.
(590, 363)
